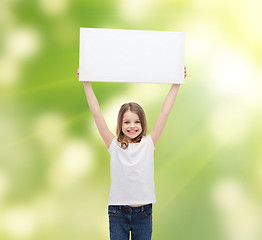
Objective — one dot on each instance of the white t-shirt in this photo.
(132, 173)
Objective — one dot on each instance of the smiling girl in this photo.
(132, 189)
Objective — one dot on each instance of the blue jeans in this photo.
(123, 219)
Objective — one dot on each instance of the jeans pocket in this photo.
(113, 211)
(148, 212)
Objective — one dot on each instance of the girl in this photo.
(132, 190)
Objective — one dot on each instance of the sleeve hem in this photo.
(111, 145)
(151, 140)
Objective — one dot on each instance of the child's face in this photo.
(131, 125)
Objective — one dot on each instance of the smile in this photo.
(132, 131)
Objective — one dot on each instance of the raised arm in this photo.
(102, 127)
(166, 108)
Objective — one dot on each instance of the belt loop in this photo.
(120, 209)
(142, 208)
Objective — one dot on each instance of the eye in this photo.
(137, 121)
(126, 122)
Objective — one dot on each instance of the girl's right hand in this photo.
(84, 82)
(77, 73)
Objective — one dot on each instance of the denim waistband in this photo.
(126, 207)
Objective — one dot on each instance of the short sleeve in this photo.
(112, 145)
(150, 140)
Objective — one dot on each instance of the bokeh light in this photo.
(9, 71)
(52, 8)
(50, 128)
(20, 222)
(135, 10)
(22, 43)
(240, 215)
(229, 124)
(73, 163)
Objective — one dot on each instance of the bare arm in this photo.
(166, 108)
(102, 127)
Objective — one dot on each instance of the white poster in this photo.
(118, 55)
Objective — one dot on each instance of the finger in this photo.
(77, 73)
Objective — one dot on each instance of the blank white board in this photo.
(119, 55)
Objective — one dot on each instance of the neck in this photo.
(132, 140)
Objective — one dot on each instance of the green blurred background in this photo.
(54, 167)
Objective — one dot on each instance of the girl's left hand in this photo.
(185, 72)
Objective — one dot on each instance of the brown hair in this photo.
(135, 108)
